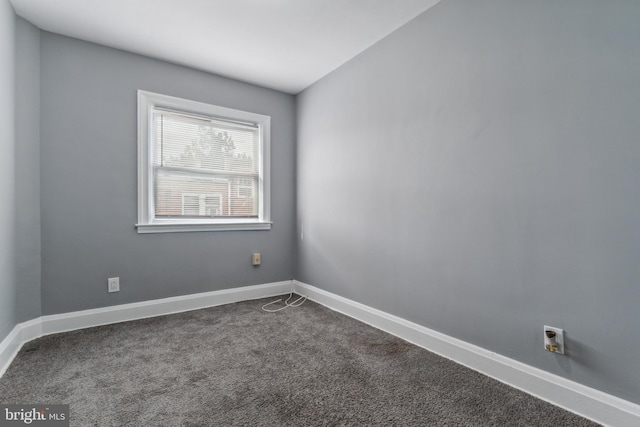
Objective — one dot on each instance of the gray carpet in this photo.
(237, 365)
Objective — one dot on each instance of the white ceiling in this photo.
(281, 44)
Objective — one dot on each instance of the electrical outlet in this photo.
(255, 260)
(554, 339)
(114, 284)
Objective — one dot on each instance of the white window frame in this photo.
(147, 222)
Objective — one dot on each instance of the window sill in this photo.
(191, 227)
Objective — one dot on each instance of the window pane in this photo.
(193, 160)
(191, 142)
(184, 194)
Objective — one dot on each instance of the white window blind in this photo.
(197, 155)
(200, 167)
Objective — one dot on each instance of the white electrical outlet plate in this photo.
(255, 260)
(114, 284)
(559, 339)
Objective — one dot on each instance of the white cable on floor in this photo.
(296, 303)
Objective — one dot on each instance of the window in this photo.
(201, 167)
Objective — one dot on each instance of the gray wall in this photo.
(88, 183)
(477, 172)
(27, 166)
(7, 168)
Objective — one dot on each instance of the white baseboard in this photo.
(582, 400)
(46, 325)
(11, 345)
